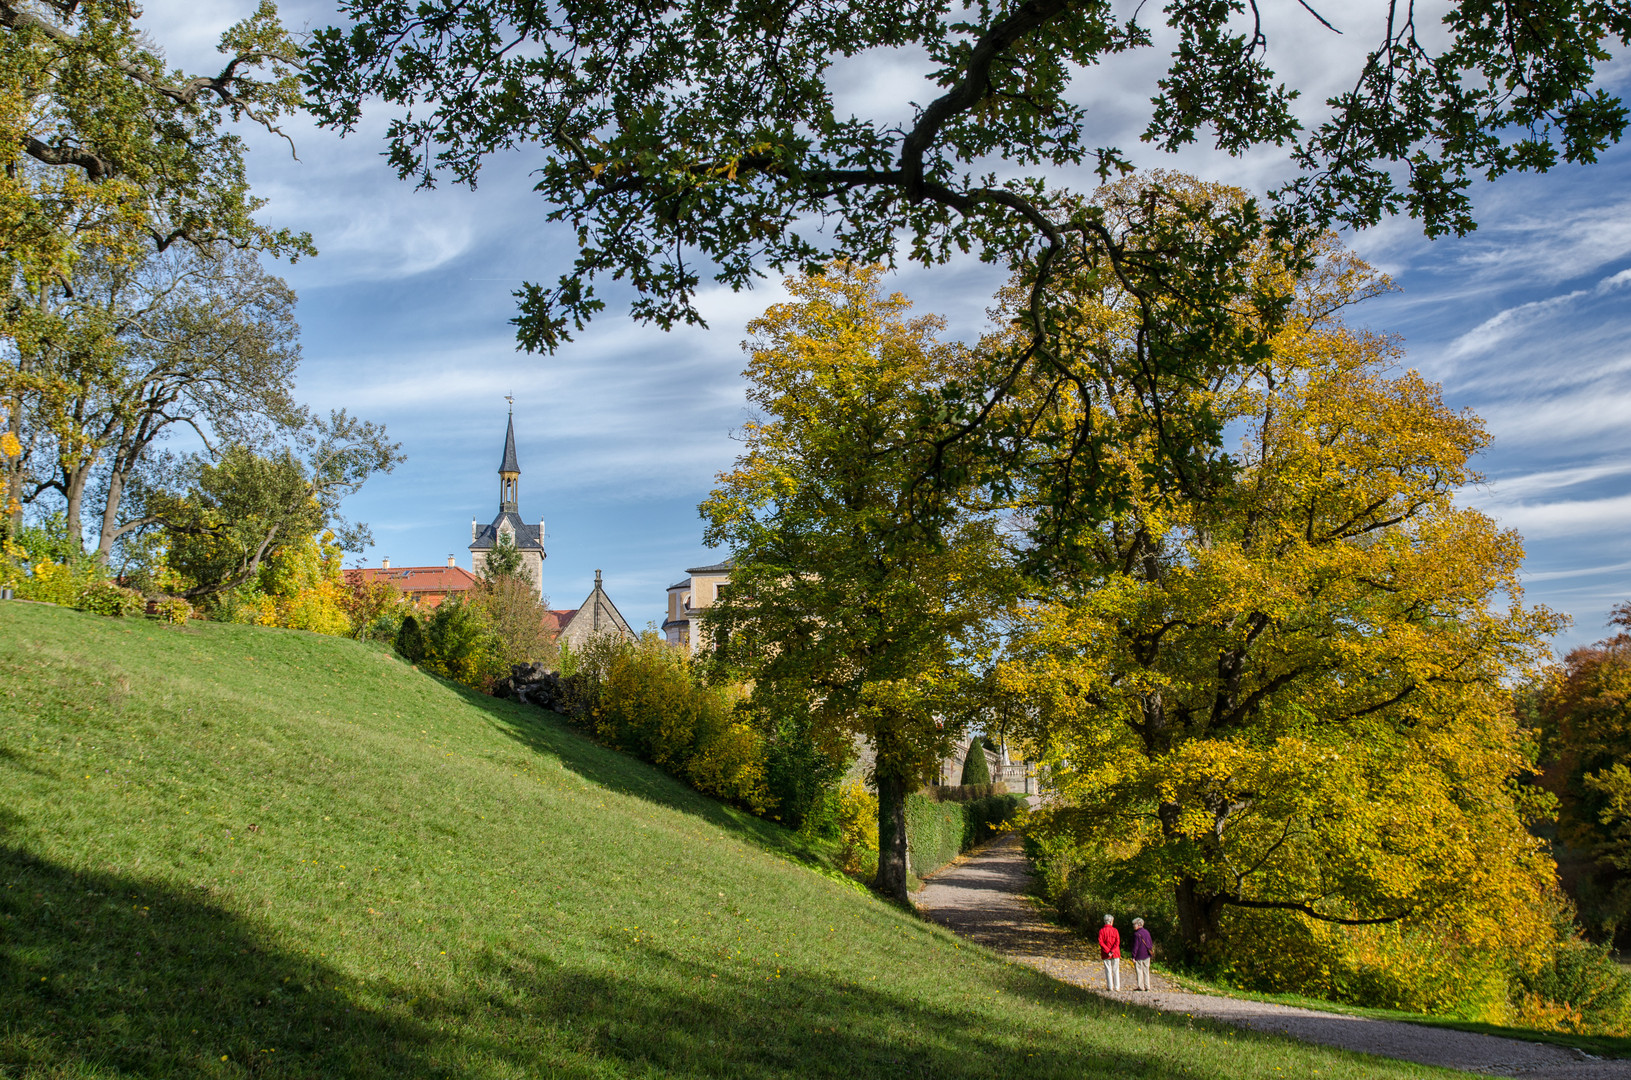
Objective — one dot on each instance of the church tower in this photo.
(509, 473)
(528, 539)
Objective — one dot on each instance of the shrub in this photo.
(1578, 988)
(54, 583)
(984, 818)
(410, 641)
(965, 792)
(108, 598)
(174, 610)
(934, 832)
(800, 776)
(516, 613)
(855, 811)
(460, 643)
(976, 770)
(646, 699)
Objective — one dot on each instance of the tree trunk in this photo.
(74, 490)
(1197, 917)
(892, 853)
(110, 517)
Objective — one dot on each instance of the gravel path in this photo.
(982, 899)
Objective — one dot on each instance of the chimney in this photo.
(385, 563)
(450, 561)
(472, 528)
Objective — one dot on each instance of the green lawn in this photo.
(232, 851)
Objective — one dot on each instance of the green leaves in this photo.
(701, 135)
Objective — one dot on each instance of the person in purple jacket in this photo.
(1143, 948)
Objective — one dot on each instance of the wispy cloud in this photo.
(1483, 338)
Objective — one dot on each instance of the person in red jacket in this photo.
(1110, 953)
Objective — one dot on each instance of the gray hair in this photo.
(1108, 919)
(1137, 923)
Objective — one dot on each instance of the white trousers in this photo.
(1141, 972)
(1112, 974)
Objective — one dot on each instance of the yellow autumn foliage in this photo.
(1275, 692)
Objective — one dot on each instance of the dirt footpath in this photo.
(982, 899)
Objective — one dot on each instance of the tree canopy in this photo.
(850, 601)
(1281, 688)
(694, 137)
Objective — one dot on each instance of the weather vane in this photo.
(511, 399)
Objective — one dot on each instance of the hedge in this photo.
(937, 832)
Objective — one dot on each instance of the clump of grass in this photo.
(231, 851)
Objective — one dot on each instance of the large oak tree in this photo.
(1279, 687)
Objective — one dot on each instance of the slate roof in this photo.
(526, 536)
(509, 464)
(716, 568)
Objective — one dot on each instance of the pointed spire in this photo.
(509, 464)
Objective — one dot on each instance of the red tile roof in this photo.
(428, 584)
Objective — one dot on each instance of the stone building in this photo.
(596, 617)
(528, 538)
(688, 599)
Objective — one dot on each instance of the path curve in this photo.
(982, 898)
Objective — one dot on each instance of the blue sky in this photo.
(406, 321)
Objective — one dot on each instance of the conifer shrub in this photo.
(410, 640)
(976, 770)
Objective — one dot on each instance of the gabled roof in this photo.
(598, 615)
(527, 537)
(716, 568)
(509, 464)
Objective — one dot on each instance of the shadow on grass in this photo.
(546, 732)
(660, 1013)
(106, 974)
(110, 974)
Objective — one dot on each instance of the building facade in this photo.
(688, 599)
(596, 617)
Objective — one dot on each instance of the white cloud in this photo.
(1516, 488)
(1585, 571)
(1566, 518)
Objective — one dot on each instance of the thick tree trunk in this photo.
(1198, 913)
(892, 854)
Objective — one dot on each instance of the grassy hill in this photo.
(230, 851)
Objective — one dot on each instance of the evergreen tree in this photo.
(975, 768)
